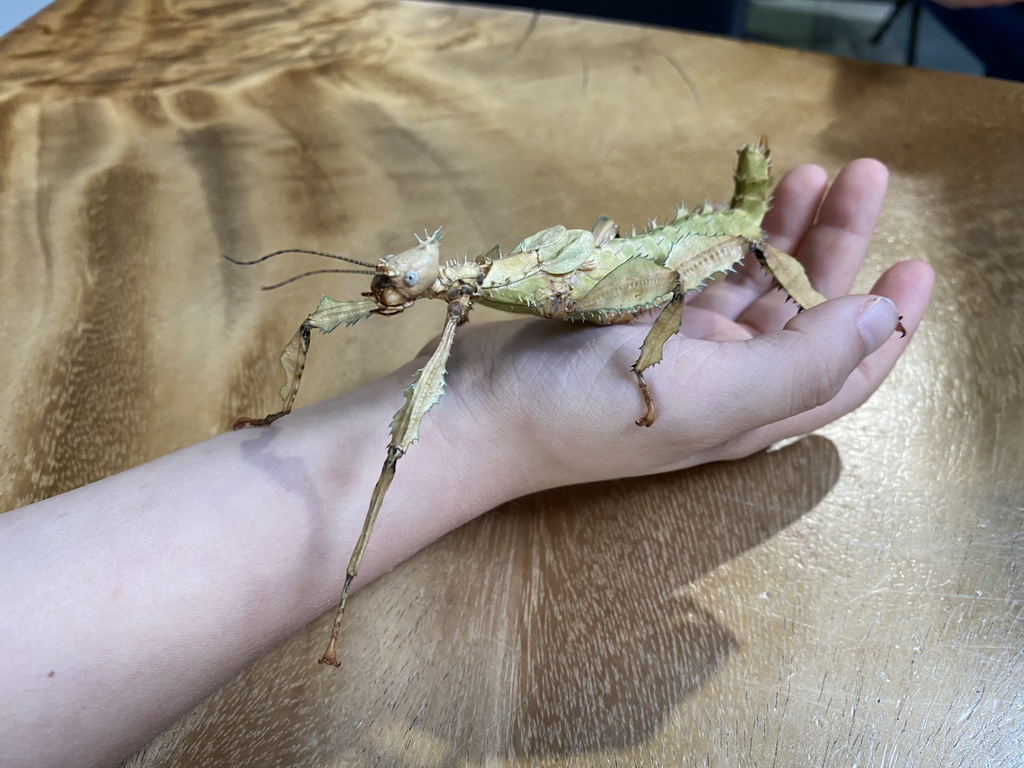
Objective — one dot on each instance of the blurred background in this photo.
(898, 32)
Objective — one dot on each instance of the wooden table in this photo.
(854, 597)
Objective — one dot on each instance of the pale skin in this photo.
(127, 601)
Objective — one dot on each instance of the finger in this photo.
(833, 250)
(795, 203)
(909, 286)
(805, 364)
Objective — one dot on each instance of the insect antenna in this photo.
(298, 250)
(316, 272)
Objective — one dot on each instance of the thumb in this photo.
(805, 364)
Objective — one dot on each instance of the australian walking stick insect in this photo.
(590, 276)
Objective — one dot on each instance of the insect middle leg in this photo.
(637, 285)
(665, 326)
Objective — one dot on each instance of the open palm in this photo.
(745, 372)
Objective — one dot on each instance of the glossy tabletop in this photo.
(854, 597)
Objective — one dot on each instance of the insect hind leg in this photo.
(788, 273)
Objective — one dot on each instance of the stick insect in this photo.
(567, 274)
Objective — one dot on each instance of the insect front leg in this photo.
(328, 315)
(425, 390)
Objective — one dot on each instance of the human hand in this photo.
(555, 404)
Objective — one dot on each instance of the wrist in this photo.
(445, 479)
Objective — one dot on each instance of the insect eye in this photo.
(411, 277)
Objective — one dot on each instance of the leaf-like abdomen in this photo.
(637, 283)
(697, 258)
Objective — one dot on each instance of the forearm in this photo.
(127, 601)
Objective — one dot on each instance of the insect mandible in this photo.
(593, 276)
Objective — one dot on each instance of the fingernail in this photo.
(877, 321)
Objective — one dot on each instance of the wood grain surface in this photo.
(852, 598)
